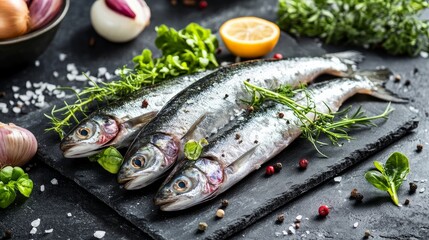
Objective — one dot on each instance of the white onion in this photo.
(17, 145)
(117, 25)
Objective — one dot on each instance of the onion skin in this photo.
(17, 145)
(43, 11)
(117, 25)
(14, 18)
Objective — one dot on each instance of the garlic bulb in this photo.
(17, 145)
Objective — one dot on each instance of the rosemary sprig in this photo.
(314, 123)
(188, 50)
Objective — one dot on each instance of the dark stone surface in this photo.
(252, 198)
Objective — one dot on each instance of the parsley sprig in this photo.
(393, 25)
(186, 51)
(313, 123)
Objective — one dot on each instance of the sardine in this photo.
(117, 124)
(208, 106)
(228, 160)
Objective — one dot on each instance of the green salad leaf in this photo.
(389, 177)
(110, 159)
(193, 149)
(12, 178)
(392, 25)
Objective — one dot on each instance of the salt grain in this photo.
(49, 230)
(101, 71)
(5, 110)
(35, 223)
(15, 88)
(424, 54)
(33, 231)
(298, 218)
(356, 224)
(37, 63)
(55, 73)
(54, 181)
(81, 78)
(422, 190)
(291, 230)
(28, 84)
(338, 179)
(284, 232)
(277, 234)
(62, 57)
(16, 109)
(69, 215)
(71, 67)
(99, 234)
(307, 232)
(42, 188)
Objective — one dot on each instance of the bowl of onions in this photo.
(26, 29)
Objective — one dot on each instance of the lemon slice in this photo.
(249, 37)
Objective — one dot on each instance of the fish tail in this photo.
(379, 79)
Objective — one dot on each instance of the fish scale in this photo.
(218, 100)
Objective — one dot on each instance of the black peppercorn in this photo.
(277, 167)
(280, 218)
(413, 188)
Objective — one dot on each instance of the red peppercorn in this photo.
(203, 4)
(303, 163)
(269, 170)
(323, 211)
(278, 56)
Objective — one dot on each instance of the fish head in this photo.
(143, 165)
(189, 184)
(90, 136)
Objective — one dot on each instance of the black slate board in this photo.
(250, 200)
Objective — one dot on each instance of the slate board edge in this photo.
(355, 157)
(347, 162)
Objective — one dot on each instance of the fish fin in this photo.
(379, 79)
(141, 120)
(243, 157)
(349, 57)
(194, 126)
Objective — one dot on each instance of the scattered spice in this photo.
(359, 197)
(281, 115)
(280, 218)
(407, 202)
(297, 225)
(269, 171)
(226, 96)
(91, 41)
(239, 142)
(219, 51)
(189, 2)
(397, 78)
(173, 2)
(287, 121)
(419, 147)
(298, 219)
(250, 109)
(256, 142)
(278, 56)
(202, 226)
(303, 163)
(277, 167)
(415, 71)
(367, 234)
(203, 4)
(7, 234)
(413, 188)
(353, 193)
(407, 83)
(224, 203)
(223, 155)
(220, 213)
(145, 103)
(237, 136)
(323, 211)
(2, 94)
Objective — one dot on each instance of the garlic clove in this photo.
(43, 11)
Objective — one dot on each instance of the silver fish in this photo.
(213, 103)
(117, 124)
(228, 160)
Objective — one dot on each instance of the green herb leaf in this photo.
(6, 174)
(377, 180)
(390, 176)
(193, 149)
(17, 173)
(7, 195)
(110, 159)
(24, 185)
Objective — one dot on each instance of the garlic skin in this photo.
(118, 24)
(17, 145)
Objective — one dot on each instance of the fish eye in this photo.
(138, 162)
(83, 133)
(181, 185)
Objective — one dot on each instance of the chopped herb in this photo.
(11, 179)
(193, 149)
(394, 25)
(389, 177)
(110, 159)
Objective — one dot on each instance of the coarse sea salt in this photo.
(55, 74)
(49, 230)
(69, 215)
(42, 188)
(99, 234)
(338, 179)
(15, 88)
(54, 181)
(62, 56)
(356, 224)
(35, 223)
(33, 231)
(424, 54)
(37, 63)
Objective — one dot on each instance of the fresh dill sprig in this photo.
(313, 123)
(186, 51)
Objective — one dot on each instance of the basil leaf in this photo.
(24, 186)
(396, 168)
(7, 195)
(377, 180)
(110, 159)
(6, 174)
(17, 173)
